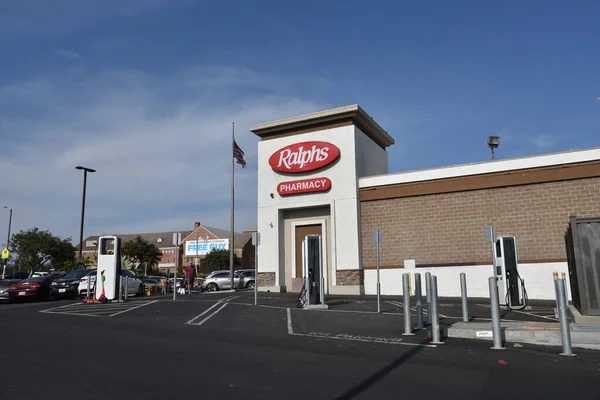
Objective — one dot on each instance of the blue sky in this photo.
(146, 90)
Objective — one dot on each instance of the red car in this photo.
(32, 288)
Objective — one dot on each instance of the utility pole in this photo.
(7, 244)
(85, 172)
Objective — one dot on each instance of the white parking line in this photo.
(289, 322)
(96, 310)
(191, 321)
(57, 308)
(355, 338)
(73, 313)
(401, 305)
(219, 292)
(232, 298)
(536, 315)
(211, 315)
(133, 308)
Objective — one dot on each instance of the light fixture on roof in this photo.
(159, 240)
(493, 142)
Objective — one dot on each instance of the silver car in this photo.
(5, 285)
(247, 278)
(219, 280)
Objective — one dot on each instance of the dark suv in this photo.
(66, 287)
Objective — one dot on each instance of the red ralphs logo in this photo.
(304, 186)
(304, 157)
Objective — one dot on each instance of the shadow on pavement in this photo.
(379, 375)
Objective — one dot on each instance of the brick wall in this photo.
(350, 277)
(266, 279)
(449, 228)
(248, 255)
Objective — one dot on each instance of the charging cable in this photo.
(525, 298)
(302, 297)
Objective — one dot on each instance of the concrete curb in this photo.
(538, 333)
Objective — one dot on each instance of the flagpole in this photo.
(231, 248)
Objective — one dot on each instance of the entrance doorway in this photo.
(301, 232)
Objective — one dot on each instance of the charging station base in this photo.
(316, 307)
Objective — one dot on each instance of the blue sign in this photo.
(203, 247)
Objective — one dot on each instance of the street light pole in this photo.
(85, 172)
(7, 242)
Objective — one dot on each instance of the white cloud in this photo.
(69, 54)
(161, 147)
(543, 141)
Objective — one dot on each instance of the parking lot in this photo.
(221, 346)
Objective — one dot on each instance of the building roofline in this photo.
(323, 118)
(485, 167)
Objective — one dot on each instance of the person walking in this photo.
(190, 274)
(164, 283)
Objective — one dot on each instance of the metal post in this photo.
(419, 301)
(463, 292)
(428, 293)
(256, 274)
(82, 219)
(565, 333)
(120, 287)
(5, 261)
(175, 273)
(378, 282)
(406, 293)
(89, 283)
(434, 318)
(231, 233)
(126, 286)
(495, 305)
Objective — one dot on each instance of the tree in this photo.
(126, 263)
(140, 251)
(38, 249)
(219, 259)
(69, 266)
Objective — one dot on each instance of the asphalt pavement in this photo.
(220, 346)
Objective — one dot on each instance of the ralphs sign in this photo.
(304, 157)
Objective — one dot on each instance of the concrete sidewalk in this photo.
(540, 333)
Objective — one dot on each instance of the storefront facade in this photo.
(327, 173)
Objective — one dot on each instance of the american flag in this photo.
(238, 154)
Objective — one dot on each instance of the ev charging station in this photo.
(312, 266)
(109, 268)
(511, 288)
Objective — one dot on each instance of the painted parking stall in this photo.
(98, 310)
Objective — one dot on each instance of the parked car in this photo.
(177, 285)
(219, 280)
(37, 287)
(83, 283)
(151, 283)
(247, 278)
(40, 273)
(5, 284)
(135, 286)
(18, 275)
(67, 287)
